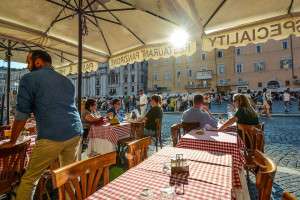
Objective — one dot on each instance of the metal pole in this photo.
(8, 56)
(79, 55)
(292, 56)
(2, 108)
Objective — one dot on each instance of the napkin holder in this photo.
(179, 166)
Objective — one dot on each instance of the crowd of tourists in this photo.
(262, 101)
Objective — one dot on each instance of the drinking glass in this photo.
(167, 193)
(7, 133)
(179, 188)
(166, 167)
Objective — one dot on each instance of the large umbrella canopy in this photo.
(19, 51)
(109, 26)
(113, 27)
(95, 29)
(240, 22)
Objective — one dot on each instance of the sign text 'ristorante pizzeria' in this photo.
(154, 52)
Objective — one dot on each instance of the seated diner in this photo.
(115, 109)
(197, 114)
(90, 116)
(154, 113)
(245, 113)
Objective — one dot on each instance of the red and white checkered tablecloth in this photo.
(204, 169)
(228, 143)
(110, 133)
(195, 155)
(207, 181)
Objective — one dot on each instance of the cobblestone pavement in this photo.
(282, 135)
(277, 107)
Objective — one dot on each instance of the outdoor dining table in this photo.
(104, 139)
(210, 177)
(222, 142)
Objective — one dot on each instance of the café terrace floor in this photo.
(282, 135)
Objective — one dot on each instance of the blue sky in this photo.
(13, 64)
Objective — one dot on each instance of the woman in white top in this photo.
(266, 106)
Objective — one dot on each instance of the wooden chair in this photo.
(265, 175)
(158, 134)
(185, 126)
(175, 133)
(137, 151)
(288, 196)
(136, 131)
(253, 139)
(252, 136)
(41, 189)
(81, 179)
(12, 161)
(188, 126)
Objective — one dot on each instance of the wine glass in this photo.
(166, 167)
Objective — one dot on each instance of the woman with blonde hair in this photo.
(245, 113)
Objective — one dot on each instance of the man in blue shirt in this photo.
(198, 113)
(51, 97)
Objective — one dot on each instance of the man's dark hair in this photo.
(35, 54)
(89, 103)
(198, 99)
(115, 101)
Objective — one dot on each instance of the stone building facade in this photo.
(128, 79)
(274, 64)
(15, 77)
(120, 81)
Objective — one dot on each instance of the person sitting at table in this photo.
(245, 114)
(89, 117)
(197, 114)
(153, 114)
(115, 109)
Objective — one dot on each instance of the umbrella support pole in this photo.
(80, 35)
(8, 57)
(2, 109)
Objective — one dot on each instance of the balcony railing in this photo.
(197, 86)
(204, 75)
(238, 83)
